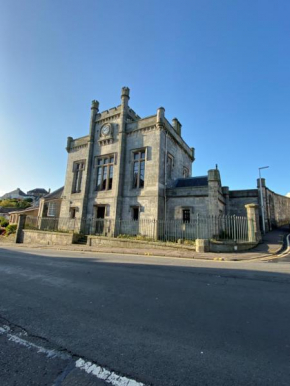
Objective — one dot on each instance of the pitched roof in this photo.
(16, 191)
(191, 182)
(56, 194)
(31, 208)
(37, 190)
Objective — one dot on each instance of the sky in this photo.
(220, 67)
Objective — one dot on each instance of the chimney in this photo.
(160, 114)
(176, 125)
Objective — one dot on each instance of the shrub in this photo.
(3, 222)
(10, 229)
(14, 203)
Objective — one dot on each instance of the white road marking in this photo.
(106, 375)
(280, 255)
(102, 373)
(49, 353)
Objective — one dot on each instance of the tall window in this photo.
(139, 169)
(186, 215)
(78, 169)
(185, 172)
(169, 166)
(105, 169)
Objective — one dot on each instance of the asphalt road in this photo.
(154, 320)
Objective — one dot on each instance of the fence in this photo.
(200, 227)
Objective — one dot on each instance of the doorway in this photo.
(100, 213)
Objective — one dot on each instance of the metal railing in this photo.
(233, 228)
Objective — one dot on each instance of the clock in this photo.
(105, 130)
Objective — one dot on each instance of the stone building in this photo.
(123, 167)
(134, 168)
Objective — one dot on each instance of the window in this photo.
(72, 212)
(51, 212)
(170, 165)
(185, 172)
(138, 169)
(186, 215)
(135, 213)
(105, 166)
(78, 169)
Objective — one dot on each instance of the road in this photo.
(70, 318)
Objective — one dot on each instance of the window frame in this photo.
(185, 171)
(184, 219)
(139, 161)
(78, 176)
(169, 165)
(105, 170)
(72, 212)
(52, 207)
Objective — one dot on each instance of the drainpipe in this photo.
(165, 176)
(160, 124)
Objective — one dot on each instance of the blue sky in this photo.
(221, 67)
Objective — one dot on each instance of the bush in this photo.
(10, 229)
(3, 222)
(14, 203)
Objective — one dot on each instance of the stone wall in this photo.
(46, 238)
(224, 246)
(195, 199)
(239, 198)
(125, 243)
(277, 209)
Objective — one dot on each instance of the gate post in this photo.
(254, 232)
(20, 226)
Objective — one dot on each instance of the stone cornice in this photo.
(108, 119)
(75, 148)
(142, 129)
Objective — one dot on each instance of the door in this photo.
(100, 220)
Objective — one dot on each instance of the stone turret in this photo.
(214, 187)
(160, 115)
(94, 112)
(176, 125)
(125, 96)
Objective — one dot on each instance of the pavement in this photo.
(70, 318)
(272, 244)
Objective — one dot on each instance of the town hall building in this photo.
(132, 168)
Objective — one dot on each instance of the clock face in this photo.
(105, 130)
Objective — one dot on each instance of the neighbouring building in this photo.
(5, 212)
(14, 215)
(15, 194)
(37, 193)
(49, 205)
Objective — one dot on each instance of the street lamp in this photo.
(262, 200)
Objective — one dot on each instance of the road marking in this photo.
(100, 372)
(281, 255)
(106, 375)
(49, 353)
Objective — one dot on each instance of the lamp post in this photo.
(262, 199)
